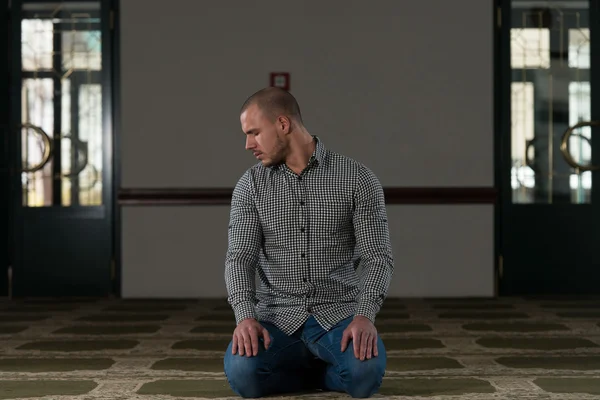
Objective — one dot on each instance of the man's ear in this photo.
(284, 124)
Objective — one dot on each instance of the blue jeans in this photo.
(308, 360)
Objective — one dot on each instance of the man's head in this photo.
(268, 117)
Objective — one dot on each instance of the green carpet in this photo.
(403, 364)
(483, 315)
(54, 364)
(38, 388)
(209, 388)
(515, 327)
(219, 344)
(569, 385)
(108, 330)
(190, 364)
(214, 328)
(574, 363)
(184, 301)
(396, 327)
(579, 314)
(79, 345)
(392, 314)
(151, 308)
(473, 306)
(460, 300)
(553, 343)
(124, 318)
(22, 318)
(7, 329)
(220, 316)
(412, 343)
(435, 387)
(439, 349)
(393, 306)
(224, 307)
(395, 301)
(40, 309)
(59, 300)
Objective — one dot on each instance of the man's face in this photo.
(264, 138)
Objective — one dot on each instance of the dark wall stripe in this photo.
(222, 196)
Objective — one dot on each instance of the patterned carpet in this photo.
(438, 349)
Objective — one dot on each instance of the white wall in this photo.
(179, 251)
(405, 87)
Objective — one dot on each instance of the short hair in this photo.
(274, 101)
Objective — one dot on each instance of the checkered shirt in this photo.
(305, 236)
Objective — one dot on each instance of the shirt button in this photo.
(309, 310)
(301, 203)
(302, 230)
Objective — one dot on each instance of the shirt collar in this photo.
(317, 157)
(319, 154)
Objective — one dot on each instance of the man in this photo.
(304, 218)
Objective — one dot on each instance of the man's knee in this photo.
(244, 374)
(364, 378)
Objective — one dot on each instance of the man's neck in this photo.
(301, 151)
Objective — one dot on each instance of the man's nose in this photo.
(250, 142)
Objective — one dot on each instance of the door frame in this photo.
(502, 153)
(115, 54)
(5, 195)
(11, 243)
(501, 31)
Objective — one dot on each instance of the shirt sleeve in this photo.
(244, 244)
(373, 243)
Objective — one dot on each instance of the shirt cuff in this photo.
(367, 309)
(244, 311)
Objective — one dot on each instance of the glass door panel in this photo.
(61, 61)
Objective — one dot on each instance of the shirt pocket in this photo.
(331, 220)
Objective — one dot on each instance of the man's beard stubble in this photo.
(279, 153)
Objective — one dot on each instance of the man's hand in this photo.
(364, 337)
(245, 337)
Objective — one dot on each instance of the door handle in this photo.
(81, 150)
(528, 161)
(564, 146)
(47, 147)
